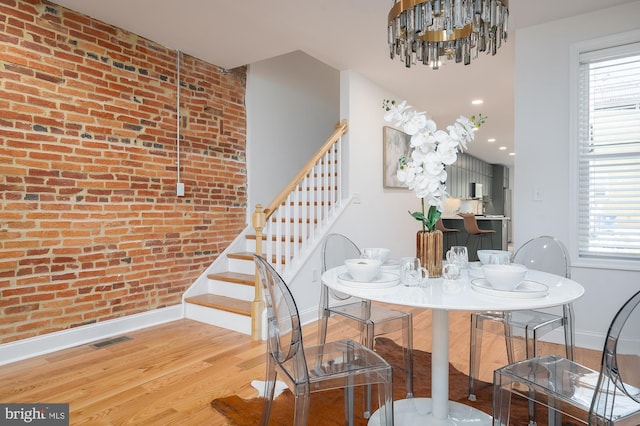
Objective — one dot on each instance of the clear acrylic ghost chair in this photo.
(340, 364)
(372, 320)
(608, 397)
(546, 254)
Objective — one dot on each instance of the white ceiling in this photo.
(347, 35)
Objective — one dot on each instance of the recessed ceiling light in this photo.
(512, 154)
(477, 102)
(491, 140)
(502, 148)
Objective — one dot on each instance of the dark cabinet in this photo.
(500, 184)
(464, 171)
(501, 176)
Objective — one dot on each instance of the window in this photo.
(609, 153)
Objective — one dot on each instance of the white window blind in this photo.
(609, 153)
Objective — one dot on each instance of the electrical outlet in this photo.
(315, 275)
(180, 189)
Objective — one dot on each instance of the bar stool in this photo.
(472, 229)
(447, 232)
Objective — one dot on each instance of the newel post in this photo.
(257, 307)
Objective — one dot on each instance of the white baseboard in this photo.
(40, 345)
(308, 316)
(583, 339)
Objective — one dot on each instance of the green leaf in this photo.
(432, 217)
(429, 221)
(419, 216)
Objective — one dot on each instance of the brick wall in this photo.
(90, 225)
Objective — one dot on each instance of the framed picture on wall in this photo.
(395, 145)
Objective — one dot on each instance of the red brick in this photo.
(105, 236)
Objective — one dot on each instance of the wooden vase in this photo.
(429, 251)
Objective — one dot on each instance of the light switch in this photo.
(537, 193)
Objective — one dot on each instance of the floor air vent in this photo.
(109, 342)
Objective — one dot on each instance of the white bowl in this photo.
(485, 255)
(504, 277)
(363, 269)
(382, 254)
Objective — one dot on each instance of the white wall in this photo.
(292, 105)
(378, 217)
(542, 142)
(299, 99)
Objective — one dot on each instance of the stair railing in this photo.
(293, 219)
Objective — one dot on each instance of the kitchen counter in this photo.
(483, 217)
(499, 240)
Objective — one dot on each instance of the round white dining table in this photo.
(442, 296)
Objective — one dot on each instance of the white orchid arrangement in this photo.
(433, 149)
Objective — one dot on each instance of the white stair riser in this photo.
(291, 228)
(250, 245)
(242, 266)
(223, 319)
(274, 248)
(233, 290)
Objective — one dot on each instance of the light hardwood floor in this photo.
(168, 374)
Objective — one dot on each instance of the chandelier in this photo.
(428, 30)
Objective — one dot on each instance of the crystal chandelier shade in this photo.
(427, 30)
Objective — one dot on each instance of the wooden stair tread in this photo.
(223, 303)
(242, 255)
(233, 277)
(292, 220)
(273, 238)
(247, 255)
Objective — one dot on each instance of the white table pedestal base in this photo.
(418, 412)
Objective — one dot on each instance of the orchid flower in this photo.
(424, 171)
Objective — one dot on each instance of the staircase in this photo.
(285, 233)
(228, 297)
